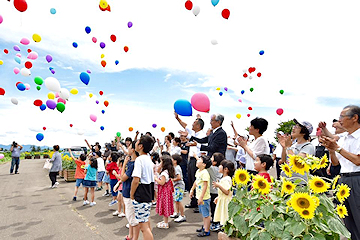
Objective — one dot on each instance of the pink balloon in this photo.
(94, 39)
(61, 100)
(240, 100)
(1, 156)
(93, 117)
(27, 86)
(279, 111)
(16, 70)
(25, 41)
(1, 19)
(57, 95)
(200, 102)
(32, 55)
(18, 55)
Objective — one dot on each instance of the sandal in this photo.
(204, 234)
(127, 238)
(162, 225)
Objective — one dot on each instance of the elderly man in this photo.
(348, 156)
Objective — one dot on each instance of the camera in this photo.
(14, 144)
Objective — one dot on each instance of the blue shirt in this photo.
(90, 173)
(127, 184)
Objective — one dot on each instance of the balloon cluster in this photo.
(225, 13)
(199, 101)
(250, 70)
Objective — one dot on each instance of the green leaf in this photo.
(296, 228)
(241, 224)
(230, 232)
(240, 193)
(319, 236)
(233, 208)
(265, 236)
(338, 227)
(267, 210)
(297, 181)
(286, 236)
(253, 234)
(253, 221)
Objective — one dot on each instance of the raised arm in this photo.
(235, 132)
(88, 144)
(71, 155)
(179, 120)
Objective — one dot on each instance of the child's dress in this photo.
(165, 200)
(221, 211)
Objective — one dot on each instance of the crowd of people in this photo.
(142, 173)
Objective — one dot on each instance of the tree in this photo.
(285, 127)
(38, 149)
(33, 148)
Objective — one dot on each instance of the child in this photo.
(227, 169)
(164, 201)
(90, 181)
(202, 185)
(101, 168)
(176, 146)
(262, 164)
(113, 180)
(106, 178)
(157, 165)
(79, 172)
(179, 187)
(119, 189)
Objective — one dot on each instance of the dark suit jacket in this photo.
(217, 142)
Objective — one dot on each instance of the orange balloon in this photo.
(103, 63)
(162, 129)
(106, 103)
(126, 48)
(131, 129)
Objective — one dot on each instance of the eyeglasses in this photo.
(342, 116)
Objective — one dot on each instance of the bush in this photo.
(68, 162)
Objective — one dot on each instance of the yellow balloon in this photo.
(74, 91)
(103, 4)
(91, 95)
(51, 95)
(36, 37)
(218, 89)
(1, 62)
(102, 55)
(238, 115)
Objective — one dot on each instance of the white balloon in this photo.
(196, 10)
(250, 77)
(27, 86)
(64, 93)
(214, 42)
(52, 84)
(80, 132)
(25, 72)
(14, 101)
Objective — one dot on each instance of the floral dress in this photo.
(165, 200)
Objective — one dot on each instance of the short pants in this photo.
(178, 194)
(79, 181)
(100, 176)
(106, 178)
(113, 182)
(205, 208)
(142, 211)
(89, 184)
(129, 212)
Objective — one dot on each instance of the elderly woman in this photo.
(56, 167)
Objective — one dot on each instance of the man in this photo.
(15, 157)
(184, 162)
(348, 156)
(277, 154)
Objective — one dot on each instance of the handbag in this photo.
(48, 164)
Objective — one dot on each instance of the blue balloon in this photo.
(21, 87)
(17, 59)
(43, 107)
(52, 10)
(39, 136)
(261, 52)
(183, 107)
(242, 91)
(75, 45)
(116, 62)
(102, 128)
(220, 93)
(85, 78)
(87, 29)
(102, 111)
(214, 2)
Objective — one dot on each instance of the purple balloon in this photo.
(52, 71)
(16, 48)
(88, 71)
(130, 24)
(48, 58)
(51, 104)
(225, 88)
(102, 45)
(154, 125)
(97, 101)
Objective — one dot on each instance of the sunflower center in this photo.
(299, 164)
(341, 211)
(288, 187)
(242, 177)
(287, 169)
(261, 184)
(306, 213)
(303, 203)
(342, 192)
(319, 184)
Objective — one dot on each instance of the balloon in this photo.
(87, 29)
(27, 86)
(64, 93)
(279, 111)
(39, 136)
(2, 156)
(116, 62)
(162, 129)
(102, 128)
(1, 62)
(75, 45)
(2, 91)
(281, 91)
(188, 5)
(61, 100)
(200, 102)
(238, 116)
(29, 50)
(214, 2)
(240, 100)
(225, 88)
(44, 128)
(16, 70)
(131, 129)
(38, 80)
(225, 13)
(18, 55)
(196, 10)
(93, 117)
(103, 4)
(88, 71)
(252, 69)
(103, 63)
(21, 87)
(38, 88)
(1, 19)
(130, 24)
(74, 91)
(51, 104)
(102, 111)
(154, 125)
(245, 75)
(118, 134)
(97, 101)
(94, 39)
(16, 48)
(38, 102)
(91, 95)
(36, 37)
(242, 91)
(258, 74)
(106, 103)
(43, 107)
(17, 83)
(218, 89)
(25, 41)
(85, 78)
(48, 58)
(60, 107)
(52, 10)
(71, 125)
(102, 56)
(57, 95)
(17, 59)
(214, 42)
(51, 95)
(102, 45)
(126, 48)
(183, 107)
(14, 101)
(113, 38)
(220, 93)
(250, 77)
(251, 89)
(20, 5)
(52, 71)
(101, 93)
(32, 56)
(52, 84)
(248, 115)
(28, 65)
(261, 52)
(250, 108)
(6, 51)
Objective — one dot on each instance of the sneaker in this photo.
(17, 173)
(127, 225)
(154, 203)
(74, 198)
(54, 186)
(106, 194)
(86, 202)
(174, 215)
(204, 234)
(11, 173)
(180, 219)
(121, 215)
(56, 183)
(162, 225)
(116, 213)
(113, 202)
(215, 227)
(98, 188)
(92, 204)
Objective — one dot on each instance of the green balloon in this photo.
(38, 88)
(38, 80)
(281, 91)
(60, 107)
(251, 89)
(118, 134)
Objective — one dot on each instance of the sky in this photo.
(311, 52)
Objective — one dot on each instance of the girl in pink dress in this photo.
(164, 202)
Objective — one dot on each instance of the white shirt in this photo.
(101, 165)
(199, 134)
(351, 144)
(175, 150)
(258, 146)
(278, 150)
(144, 169)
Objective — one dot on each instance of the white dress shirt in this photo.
(199, 134)
(351, 144)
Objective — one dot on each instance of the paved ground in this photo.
(29, 209)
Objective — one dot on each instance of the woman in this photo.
(56, 167)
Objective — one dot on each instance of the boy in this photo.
(179, 187)
(202, 185)
(262, 164)
(141, 194)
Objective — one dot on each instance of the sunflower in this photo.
(318, 185)
(342, 211)
(335, 182)
(343, 192)
(287, 187)
(241, 176)
(298, 165)
(306, 214)
(288, 203)
(286, 169)
(301, 201)
(323, 161)
(316, 201)
(261, 184)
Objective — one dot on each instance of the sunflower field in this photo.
(289, 208)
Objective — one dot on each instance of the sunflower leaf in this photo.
(267, 210)
(241, 224)
(338, 227)
(254, 234)
(233, 208)
(296, 228)
(265, 236)
(255, 219)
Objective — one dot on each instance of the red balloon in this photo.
(101, 93)
(44, 128)
(20, 5)
(113, 38)
(258, 74)
(225, 13)
(250, 108)
(28, 65)
(2, 91)
(279, 111)
(126, 48)
(38, 102)
(188, 5)
(71, 125)
(245, 75)
(29, 50)
(103, 63)
(6, 51)
(106, 103)
(18, 83)
(248, 115)
(252, 69)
